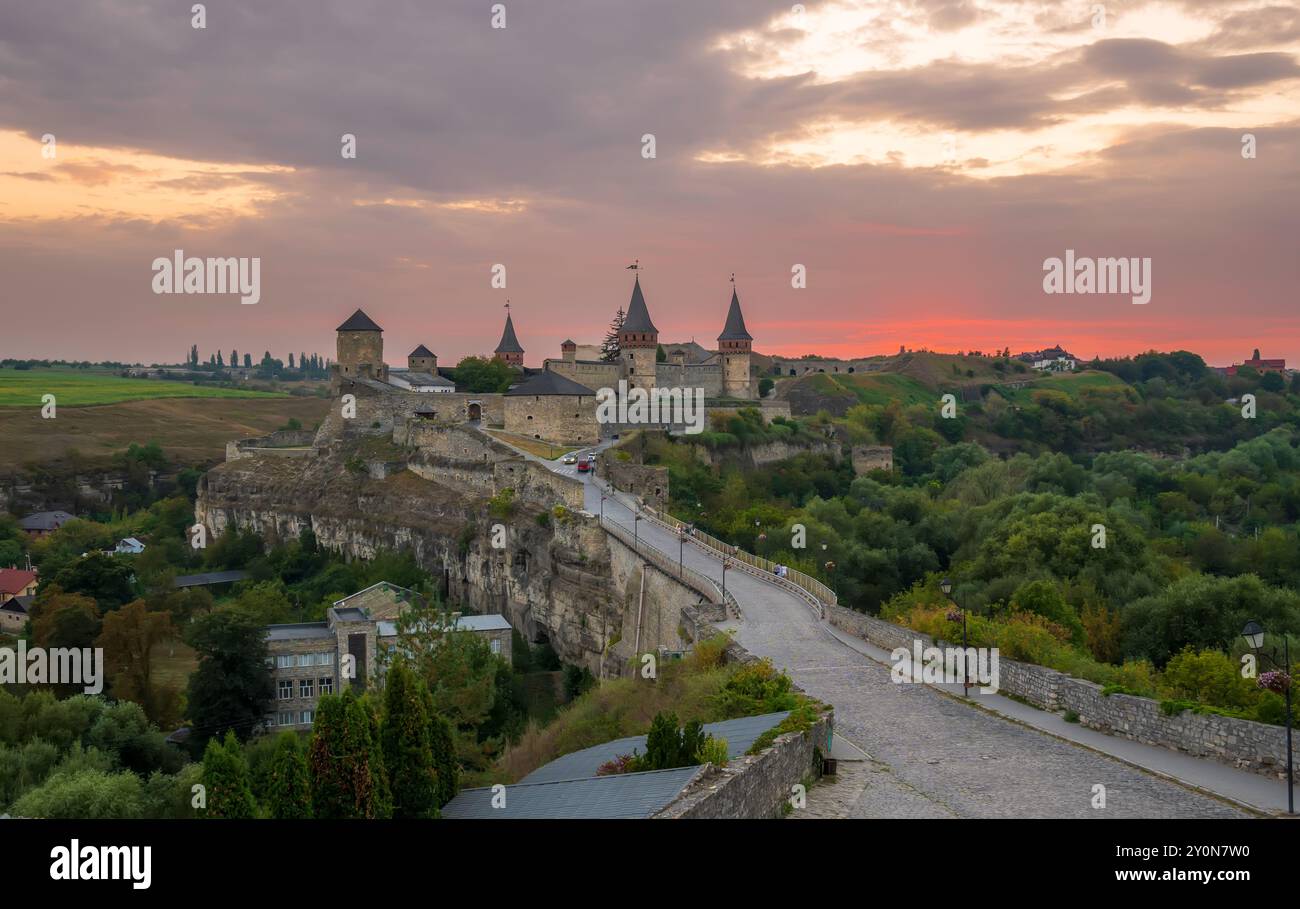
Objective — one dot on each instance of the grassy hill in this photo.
(88, 387)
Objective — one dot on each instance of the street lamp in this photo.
(1254, 635)
(946, 586)
(724, 580)
(681, 551)
(636, 522)
(602, 506)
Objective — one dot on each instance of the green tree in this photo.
(231, 689)
(226, 779)
(483, 375)
(609, 347)
(288, 781)
(407, 743)
(346, 762)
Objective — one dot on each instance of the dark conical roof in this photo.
(421, 351)
(359, 321)
(547, 382)
(509, 343)
(734, 330)
(638, 317)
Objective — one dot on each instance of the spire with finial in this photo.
(509, 350)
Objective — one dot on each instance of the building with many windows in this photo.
(351, 647)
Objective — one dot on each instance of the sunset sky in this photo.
(921, 158)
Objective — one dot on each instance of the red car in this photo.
(584, 465)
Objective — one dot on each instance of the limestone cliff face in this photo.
(556, 577)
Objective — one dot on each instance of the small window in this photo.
(286, 689)
(284, 661)
(286, 719)
(306, 688)
(496, 645)
(308, 716)
(327, 685)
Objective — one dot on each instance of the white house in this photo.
(1053, 358)
(129, 546)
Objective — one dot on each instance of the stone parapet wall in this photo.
(1245, 744)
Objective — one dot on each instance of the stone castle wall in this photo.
(706, 375)
(358, 348)
(557, 418)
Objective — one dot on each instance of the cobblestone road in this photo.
(931, 756)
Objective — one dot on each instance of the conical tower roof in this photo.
(638, 317)
(509, 343)
(734, 330)
(359, 321)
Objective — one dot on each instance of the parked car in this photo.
(570, 459)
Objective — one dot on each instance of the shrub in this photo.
(713, 751)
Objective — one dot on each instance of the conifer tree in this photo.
(226, 779)
(609, 348)
(408, 751)
(345, 761)
(290, 785)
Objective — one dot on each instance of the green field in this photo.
(1072, 384)
(881, 388)
(83, 387)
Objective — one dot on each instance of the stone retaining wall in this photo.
(754, 785)
(1245, 744)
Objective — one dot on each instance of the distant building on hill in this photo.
(1053, 358)
(1259, 365)
(42, 523)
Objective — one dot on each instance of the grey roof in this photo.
(299, 631)
(740, 734)
(45, 520)
(509, 343)
(625, 795)
(464, 623)
(550, 383)
(349, 613)
(209, 577)
(425, 379)
(421, 351)
(21, 605)
(638, 317)
(734, 330)
(359, 321)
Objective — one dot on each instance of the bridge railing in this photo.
(704, 585)
(806, 585)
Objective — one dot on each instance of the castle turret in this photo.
(734, 346)
(359, 348)
(422, 360)
(569, 350)
(638, 339)
(510, 351)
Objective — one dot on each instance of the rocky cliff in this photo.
(556, 577)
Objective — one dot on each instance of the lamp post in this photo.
(724, 580)
(1254, 635)
(946, 586)
(602, 506)
(681, 551)
(636, 523)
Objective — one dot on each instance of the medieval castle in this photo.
(556, 403)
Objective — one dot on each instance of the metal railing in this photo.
(703, 584)
(806, 585)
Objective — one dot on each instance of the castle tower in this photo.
(359, 348)
(422, 360)
(638, 340)
(569, 350)
(734, 346)
(510, 351)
